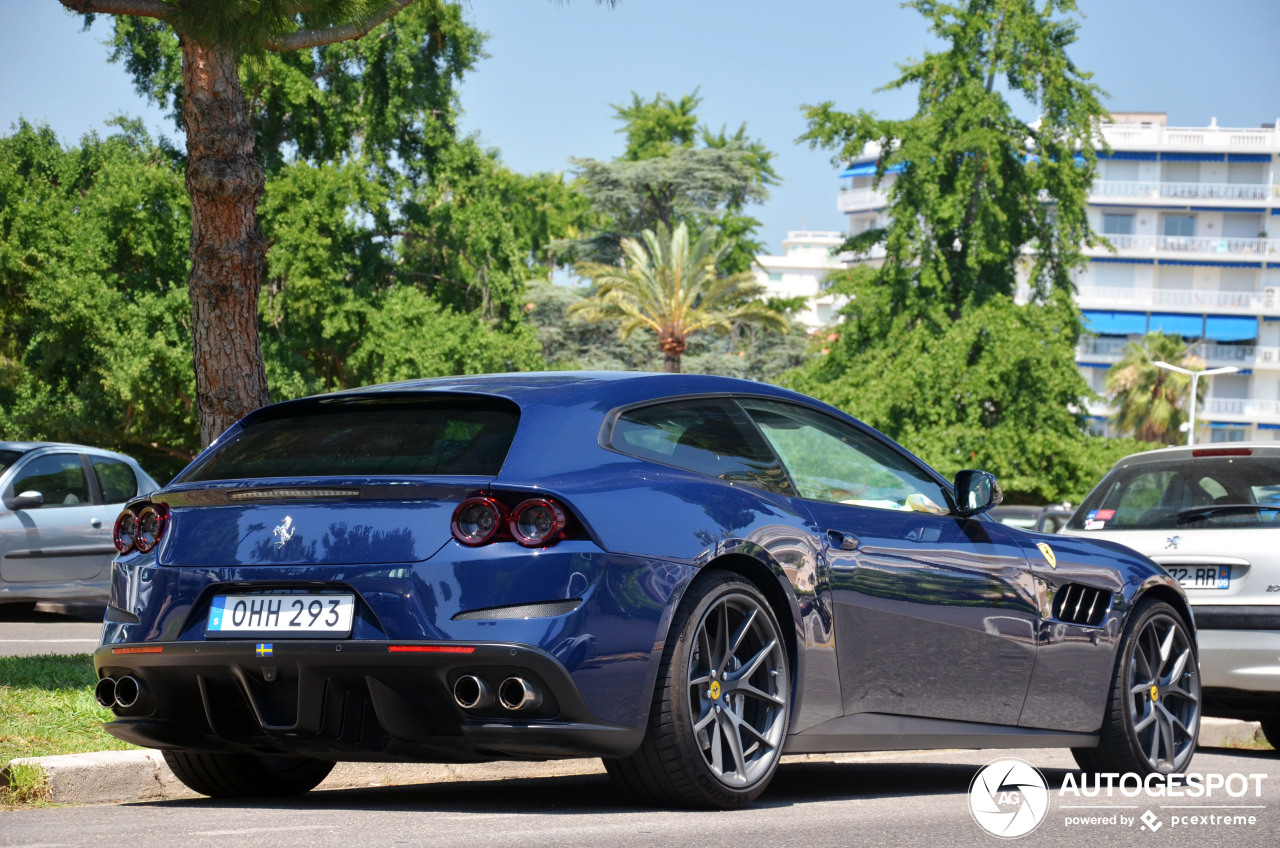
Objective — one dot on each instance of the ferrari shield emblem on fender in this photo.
(1048, 554)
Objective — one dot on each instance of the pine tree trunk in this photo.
(228, 254)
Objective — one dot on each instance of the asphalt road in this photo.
(907, 800)
(49, 629)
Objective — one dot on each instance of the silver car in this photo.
(58, 505)
(1211, 516)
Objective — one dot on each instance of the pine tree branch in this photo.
(309, 38)
(141, 8)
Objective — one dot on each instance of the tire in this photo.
(1271, 730)
(246, 775)
(721, 704)
(1153, 711)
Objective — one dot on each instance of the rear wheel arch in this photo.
(781, 601)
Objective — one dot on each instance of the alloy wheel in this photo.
(1164, 694)
(738, 690)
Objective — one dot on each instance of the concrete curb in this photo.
(111, 777)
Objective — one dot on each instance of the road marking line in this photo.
(263, 830)
(39, 641)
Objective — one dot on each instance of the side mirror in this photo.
(976, 491)
(27, 500)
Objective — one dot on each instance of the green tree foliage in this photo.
(1150, 402)
(934, 350)
(664, 177)
(669, 284)
(94, 316)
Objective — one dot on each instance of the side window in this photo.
(831, 461)
(709, 436)
(115, 478)
(59, 477)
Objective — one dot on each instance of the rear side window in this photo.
(368, 438)
(115, 478)
(710, 436)
(59, 477)
(1200, 493)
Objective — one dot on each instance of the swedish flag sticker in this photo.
(264, 649)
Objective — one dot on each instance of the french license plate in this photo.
(281, 615)
(1202, 576)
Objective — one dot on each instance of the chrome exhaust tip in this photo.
(127, 691)
(472, 693)
(516, 693)
(105, 692)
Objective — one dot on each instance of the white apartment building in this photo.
(799, 272)
(1194, 216)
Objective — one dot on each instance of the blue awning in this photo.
(1176, 325)
(1132, 155)
(1192, 157)
(868, 169)
(1269, 426)
(1202, 263)
(1227, 425)
(1231, 328)
(1121, 260)
(1248, 157)
(1093, 364)
(1114, 323)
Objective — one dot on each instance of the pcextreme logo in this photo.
(1008, 798)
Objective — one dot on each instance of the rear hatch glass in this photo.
(1226, 492)
(325, 482)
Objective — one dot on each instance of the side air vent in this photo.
(1077, 604)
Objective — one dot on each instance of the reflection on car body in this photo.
(664, 571)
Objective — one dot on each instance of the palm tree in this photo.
(671, 286)
(1150, 402)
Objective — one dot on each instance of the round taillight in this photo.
(125, 531)
(151, 522)
(477, 520)
(536, 522)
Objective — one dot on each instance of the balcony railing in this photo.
(1148, 137)
(1243, 407)
(1190, 244)
(1092, 347)
(1197, 299)
(852, 199)
(1184, 191)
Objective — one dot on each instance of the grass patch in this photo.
(23, 785)
(47, 707)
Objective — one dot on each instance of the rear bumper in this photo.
(353, 700)
(1239, 648)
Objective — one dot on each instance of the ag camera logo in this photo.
(1008, 798)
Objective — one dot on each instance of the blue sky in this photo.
(555, 67)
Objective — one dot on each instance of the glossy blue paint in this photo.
(931, 616)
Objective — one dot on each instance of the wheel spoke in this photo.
(744, 688)
(1181, 693)
(741, 633)
(1146, 720)
(706, 719)
(1140, 660)
(734, 738)
(1166, 733)
(1166, 646)
(717, 747)
(1179, 665)
(722, 637)
(1153, 752)
(755, 662)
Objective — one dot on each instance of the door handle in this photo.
(842, 541)
(95, 523)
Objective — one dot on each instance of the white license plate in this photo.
(281, 615)
(1202, 576)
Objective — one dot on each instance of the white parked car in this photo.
(1210, 514)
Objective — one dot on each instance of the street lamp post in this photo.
(1195, 377)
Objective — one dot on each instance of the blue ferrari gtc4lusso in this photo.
(686, 576)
